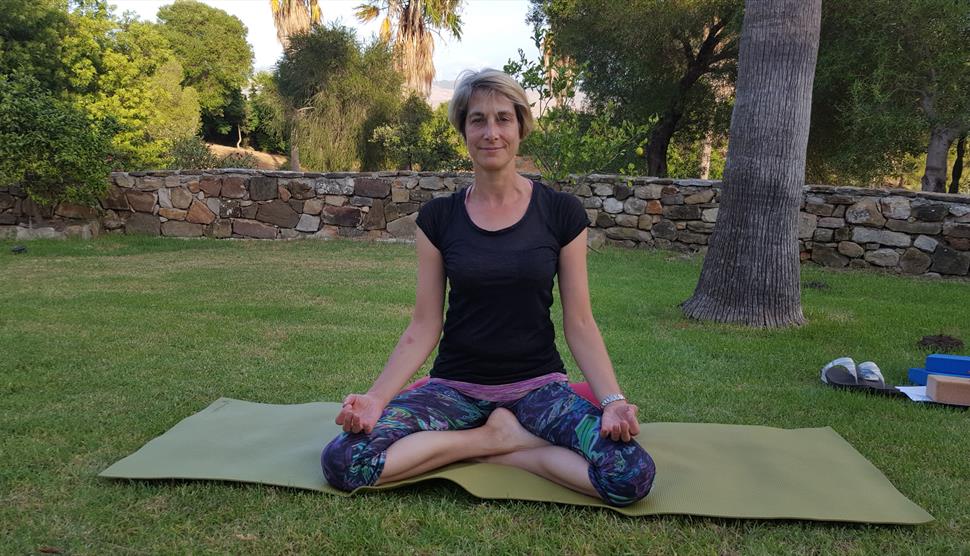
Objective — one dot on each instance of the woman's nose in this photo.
(491, 130)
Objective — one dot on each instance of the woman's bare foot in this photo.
(508, 435)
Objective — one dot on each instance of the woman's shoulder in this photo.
(556, 200)
(443, 204)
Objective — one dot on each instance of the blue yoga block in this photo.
(919, 376)
(948, 363)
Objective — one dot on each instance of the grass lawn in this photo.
(106, 344)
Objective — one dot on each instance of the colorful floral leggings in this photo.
(621, 472)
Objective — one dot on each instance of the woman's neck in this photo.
(499, 187)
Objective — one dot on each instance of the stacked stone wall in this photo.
(896, 230)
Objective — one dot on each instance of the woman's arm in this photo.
(361, 411)
(586, 343)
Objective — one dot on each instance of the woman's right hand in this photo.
(360, 413)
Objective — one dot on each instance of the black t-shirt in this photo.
(497, 329)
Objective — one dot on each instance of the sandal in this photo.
(844, 373)
(840, 372)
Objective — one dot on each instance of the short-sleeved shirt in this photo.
(497, 328)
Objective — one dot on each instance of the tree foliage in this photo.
(408, 26)
(31, 34)
(293, 17)
(567, 141)
(211, 46)
(266, 115)
(422, 139)
(51, 147)
(335, 93)
(673, 61)
(120, 73)
(888, 74)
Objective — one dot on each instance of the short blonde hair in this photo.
(493, 81)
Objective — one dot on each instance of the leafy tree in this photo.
(266, 115)
(211, 46)
(313, 60)
(892, 81)
(30, 41)
(105, 66)
(126, 86)
(751, 270)
(335, 93)
(422, 139)
(444, 148)
(293, 17)
(653, 59)
(408, 26)
(566, 141)
(50, 146)
(178, 107)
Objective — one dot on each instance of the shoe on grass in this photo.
(869, 374)
(840, 372)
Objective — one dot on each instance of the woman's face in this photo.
(491, 130)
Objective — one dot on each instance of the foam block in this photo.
(949, 364)
(919, 376)
(948, 389)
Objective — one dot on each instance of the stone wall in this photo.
(897, 230)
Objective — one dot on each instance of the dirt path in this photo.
(265, 161)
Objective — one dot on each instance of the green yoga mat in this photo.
(714, 470)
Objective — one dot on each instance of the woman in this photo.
(498, 391)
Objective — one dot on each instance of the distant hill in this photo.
(442, 91)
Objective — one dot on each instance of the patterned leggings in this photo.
(621, 472)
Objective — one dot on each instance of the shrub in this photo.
(49, 146)
(238, 160)
(191, 152)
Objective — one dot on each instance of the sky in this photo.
(492, 30)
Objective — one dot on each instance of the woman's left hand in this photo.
(620, 421)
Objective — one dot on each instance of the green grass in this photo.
(106, 344)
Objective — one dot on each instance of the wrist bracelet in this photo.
(610, 399)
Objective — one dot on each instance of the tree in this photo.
(653, 59)
(50, 146)
(566, 141)
(292, 17)
(958, 165)
(31, 33)
(892, 82)
(422, 139)
(408, 26)
(178, 107)
(150, 109)
(751, 271)
(79, 52)
(211, 46)
(266, 115)
(307, 67)
(335, 93)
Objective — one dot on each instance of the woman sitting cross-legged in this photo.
(498, 391)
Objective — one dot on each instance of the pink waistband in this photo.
(502, 393)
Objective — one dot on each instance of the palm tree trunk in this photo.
(958, 165)
(751, 271)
